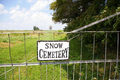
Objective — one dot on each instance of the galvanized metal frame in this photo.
(93, 61)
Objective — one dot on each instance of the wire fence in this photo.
(18, 51)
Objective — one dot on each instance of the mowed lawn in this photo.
(18, 49)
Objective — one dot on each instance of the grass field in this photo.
(18, 56)
(18, 50)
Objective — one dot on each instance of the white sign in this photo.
(53, 50)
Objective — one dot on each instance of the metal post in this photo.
(38, 36)
(80, 58)
(110, 71)
(19, 72)
(53, 60)
(46, 72)
(117, 54)
(25, 55)
(86, 72)
(97, 70)
(67, 60)
(60, 71)
(93, 53)
(105, 55)
(74, 71)
(5, 72)
(11, 58)
(40, 71)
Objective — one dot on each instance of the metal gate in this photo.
(87, 61)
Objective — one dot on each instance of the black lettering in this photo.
(45, 54)
(47, 46)
(53, 56)
(63, 53)
(40, 53)
(60, 45)
(51, 45)
(56, 54)
(56, 45)
(59, 55)
(66, 52)
(49, 54)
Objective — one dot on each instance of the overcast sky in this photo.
(24, 14)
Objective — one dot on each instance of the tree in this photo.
(78, 13)
(50, 27)
(35, 28)
(67, 10)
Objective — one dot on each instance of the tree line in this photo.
(37, 28)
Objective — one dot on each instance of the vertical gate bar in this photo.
(46, 72)
(80, 58)
(60, 71)
(117, 54)
(40, 61)
(25, 55)
(40, 71)
(97, 70)
(68, 59)
(74, 71)
(53, 36)
(86, 72)
(53, 60)
(11, 57)
(105, 55)
(110, 71)
(53, 71)
(93, 53)
(5, 72)
(67, 71)
(19, 72)
(38, 36)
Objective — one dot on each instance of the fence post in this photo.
(25, 55)
(11, 57)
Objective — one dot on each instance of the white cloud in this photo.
(25, 19)
(1, 7)
(19, 1)
(5, 11)
(15, 8)
(30, 1)
(2, 11)
(39, 5)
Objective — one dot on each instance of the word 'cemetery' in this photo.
(53, 50)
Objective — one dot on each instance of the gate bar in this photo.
(96, 22)
(11, 57)
(62, 62)
(105, 55)
(65, 32)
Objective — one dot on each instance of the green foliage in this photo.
(35, 28)
(86, 12)
(78, 13)
(60, 30)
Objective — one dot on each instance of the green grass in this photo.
(18, 56)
